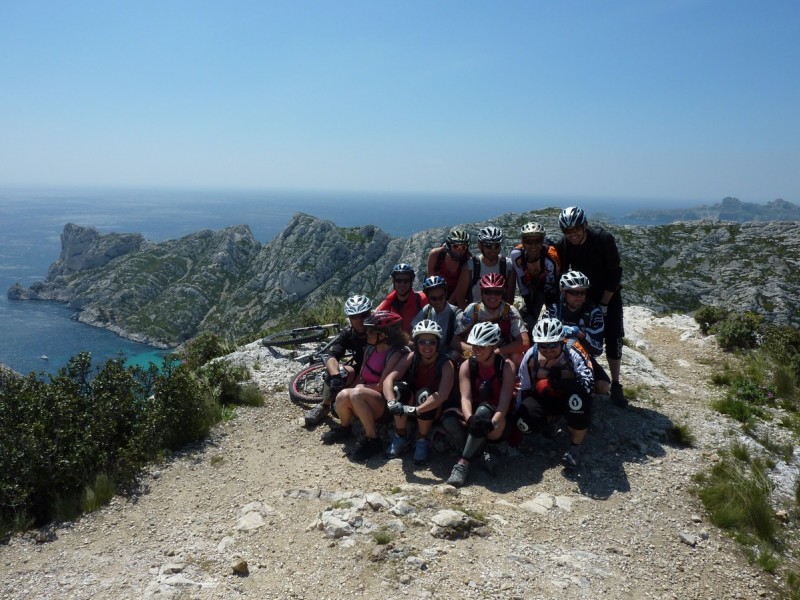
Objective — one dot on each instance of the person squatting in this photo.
(458, 360)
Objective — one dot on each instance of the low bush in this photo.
(707, 316)
(71, 439)
(738, 331)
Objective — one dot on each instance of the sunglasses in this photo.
(532, 240)
(491, 246)
(576, 292)
(461, 246)
(426, 342)
(436, 298)
(571, 230)
(550, 346)
(402, 280)
(492, 292)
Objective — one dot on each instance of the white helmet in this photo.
(548, 331)
(491, 235)
(484, 334)
(532, 228)
(357, 305)
(572, 216)
(574, 280)
(427, 326)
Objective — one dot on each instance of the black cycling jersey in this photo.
(348, 339)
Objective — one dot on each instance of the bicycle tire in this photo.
(290, 337)
(306, 386)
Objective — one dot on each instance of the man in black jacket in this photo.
(593, 251)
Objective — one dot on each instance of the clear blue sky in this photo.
(695, 99)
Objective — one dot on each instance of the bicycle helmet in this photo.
(492, 281)
(401, 268)
(426, 326)
(484, 334)
(548, 331)
(533, 228)
(490, 235)
(572, 216)
(457, 236)
(433, 282)
(383, 319)
(574, 280)
(357, 305)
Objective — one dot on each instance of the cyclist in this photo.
(423, 382)
(445, 314)
(486, 382)
(448, 260)
(403, 300)
(386, 346)
(492, 308)
(490, 260)
(583, 323)
(593, 251)
(555, 380)
(352, 338)
(536, 266)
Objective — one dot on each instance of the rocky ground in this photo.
(264, 510)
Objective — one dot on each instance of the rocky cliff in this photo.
(228, 282)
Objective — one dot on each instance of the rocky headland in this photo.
(229, 283)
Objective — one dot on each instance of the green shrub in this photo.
(707, 316)
(738, 331)
(738, 499)
(99, 494)
(185, 407)
(203, 348)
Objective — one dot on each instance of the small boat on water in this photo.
(44, 357)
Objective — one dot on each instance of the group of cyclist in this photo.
(459, 352)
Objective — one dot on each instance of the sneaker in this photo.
(458, 476)
(572, 457)
(617, 395)
(490, 462)
(397, 445)
(366, 449)
(337, 434)
(315, 415)
(422, 451)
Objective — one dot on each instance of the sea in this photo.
(40, 337)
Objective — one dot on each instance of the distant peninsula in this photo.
(730, 209)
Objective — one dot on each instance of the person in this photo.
(387, 343)
(583, 323)
(422, 384)
(486, 382)
(448, 260)
(490, 260)
(537, 271)
(445, 314)
(593, 251)
(555, 380)
(352, 338)
(492, 308)
(403, 300)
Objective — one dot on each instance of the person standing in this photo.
(593, 251)
(403, 300)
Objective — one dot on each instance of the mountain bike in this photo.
(300, 335)
(306, 386)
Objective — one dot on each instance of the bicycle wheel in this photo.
(295, 337)
(306, 386)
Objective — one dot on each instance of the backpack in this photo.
(499, 363)
(411, 374)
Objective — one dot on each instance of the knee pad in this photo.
(484, 410)
(530, 416)
(579, 413)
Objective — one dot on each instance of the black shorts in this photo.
(614, 328)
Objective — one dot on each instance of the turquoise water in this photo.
(31, 221)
